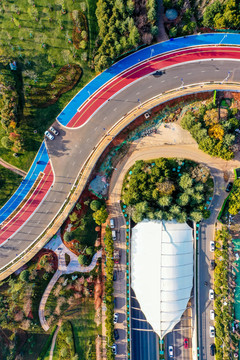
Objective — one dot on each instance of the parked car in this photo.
(212, 331)
(115, 318)
(170, 351)
(53, 130)
(114, 349)
(116, 334)
(48, 135)
(212, 264)
(229, 187)
(112, 223)
(185, 343)
(212, 315)
(212, 349)
(114, 235)
(211, 294)
(114, 275)
(212, 246)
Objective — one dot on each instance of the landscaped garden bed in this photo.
(9, 182)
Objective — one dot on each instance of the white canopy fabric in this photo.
(162, 271)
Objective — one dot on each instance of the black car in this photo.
(229, 187)
(114, 275)
(212, 264)
(159, 73)
(212, 349)
(116, 334)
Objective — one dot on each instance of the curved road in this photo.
(71, 148)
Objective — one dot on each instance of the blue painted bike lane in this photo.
(37, 166)
(157, 49)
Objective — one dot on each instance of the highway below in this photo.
(71, 148)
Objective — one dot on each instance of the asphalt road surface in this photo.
(145, 342)
(70, 149)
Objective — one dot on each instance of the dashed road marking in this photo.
(150, 87)
(189, 73)
(175, 77)
(163, 81)
(203, 71)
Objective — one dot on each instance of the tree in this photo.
(82, 259)
(173, 32)
(73, 217)
(165, 201)
(6, 142)
(63, 352)
(95, 205)
(166, 187)
(188, 121)
(100, 216)
(24, 275)
(183, 199)
(90, 251)
(68, 236)
(196, 216)
(185, 181)
(182, 217)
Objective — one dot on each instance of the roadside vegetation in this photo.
(226, 340)
(109, 297)
(81, 231)
(19, 299)
(213, 130)
(167, 189)
(9, 182)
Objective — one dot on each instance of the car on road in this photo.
(212, 349)
(212, 264)
(115, 318)
(114, 275)
(170, 351)
(116, 334)
(212, 331)
(229, 187)
(48, 135)
(112, 223)
(159, 73)
(211, 294)
(185, 343)
(212, 246)
(212, 315)
(54, 131)
(114, 235)
(114, 349)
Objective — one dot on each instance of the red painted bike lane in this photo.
(29, 207)
(129, 76)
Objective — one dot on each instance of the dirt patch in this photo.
(98, 290)
(52, 257)
(66, 78)
(80, 25)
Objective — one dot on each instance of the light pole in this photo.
(152, 51)
(182, 84)
(89, 93)
(222, 39)
(140, 104)
(227, 77)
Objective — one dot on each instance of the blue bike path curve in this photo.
(37, 166)
(157, 49)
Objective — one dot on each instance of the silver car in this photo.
(54, 131)
(48, 135)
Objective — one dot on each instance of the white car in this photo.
(212, 246)
(112, 223)
(48, 135)
(114, 349)
(115, 318)
(53, 130)
(211, 294)
(170, 351)
(212, 315)
(212, 331)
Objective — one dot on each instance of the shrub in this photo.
(82, 259)
(95, 205)
(100, 216)
(24, 276)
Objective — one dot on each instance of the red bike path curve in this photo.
(41, 190)
(127, 77)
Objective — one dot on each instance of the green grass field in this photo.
(42, 39)
(9, 182)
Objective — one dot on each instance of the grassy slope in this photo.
(25, 45)
(9, 181)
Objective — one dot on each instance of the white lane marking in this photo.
(149, 87)
(105, 118)
(87, 140)
(61, 188)
(76, 145)
(137, 93)
(189, 73)
(80, 151)
(29, 231)
(175, 77)
(74, 163)
(163, 81)
(126, 100)
(96, 128)
(203, 71)
(115, 109)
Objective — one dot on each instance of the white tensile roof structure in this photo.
(162, 271)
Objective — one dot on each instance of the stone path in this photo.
(54, 340)
(60, 249)
(12, 168)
